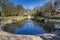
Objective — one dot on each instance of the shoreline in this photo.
(48, 36)
(9, 36)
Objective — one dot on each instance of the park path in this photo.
(8, 36)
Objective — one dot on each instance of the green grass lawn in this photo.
(10, 18)
(54, 18)
(5, 19)
(18, 18)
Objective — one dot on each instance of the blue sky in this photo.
(29, 3)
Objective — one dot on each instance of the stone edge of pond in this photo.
(33, 37)
(6, 33)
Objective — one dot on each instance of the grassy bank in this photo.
(5, 19)
(54, 18)
(10, 18)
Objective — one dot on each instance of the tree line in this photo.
(48, 9)
(9, 9)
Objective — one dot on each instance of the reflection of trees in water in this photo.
(12, 27)
(9, 28)
(46, 26)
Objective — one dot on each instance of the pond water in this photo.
(27, 28)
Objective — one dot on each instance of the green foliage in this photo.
(46, 10)
(5, 19)
(8, 9)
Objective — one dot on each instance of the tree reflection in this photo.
(12, 27)
(48, 27)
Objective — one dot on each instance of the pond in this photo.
(28, 27)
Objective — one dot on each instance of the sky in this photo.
(30, 4)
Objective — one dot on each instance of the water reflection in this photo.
(12, 27)
(29, 26)
(57, 25)
(48, 27)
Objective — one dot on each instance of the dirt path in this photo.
(8, 36)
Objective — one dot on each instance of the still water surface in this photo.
(27, 28)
